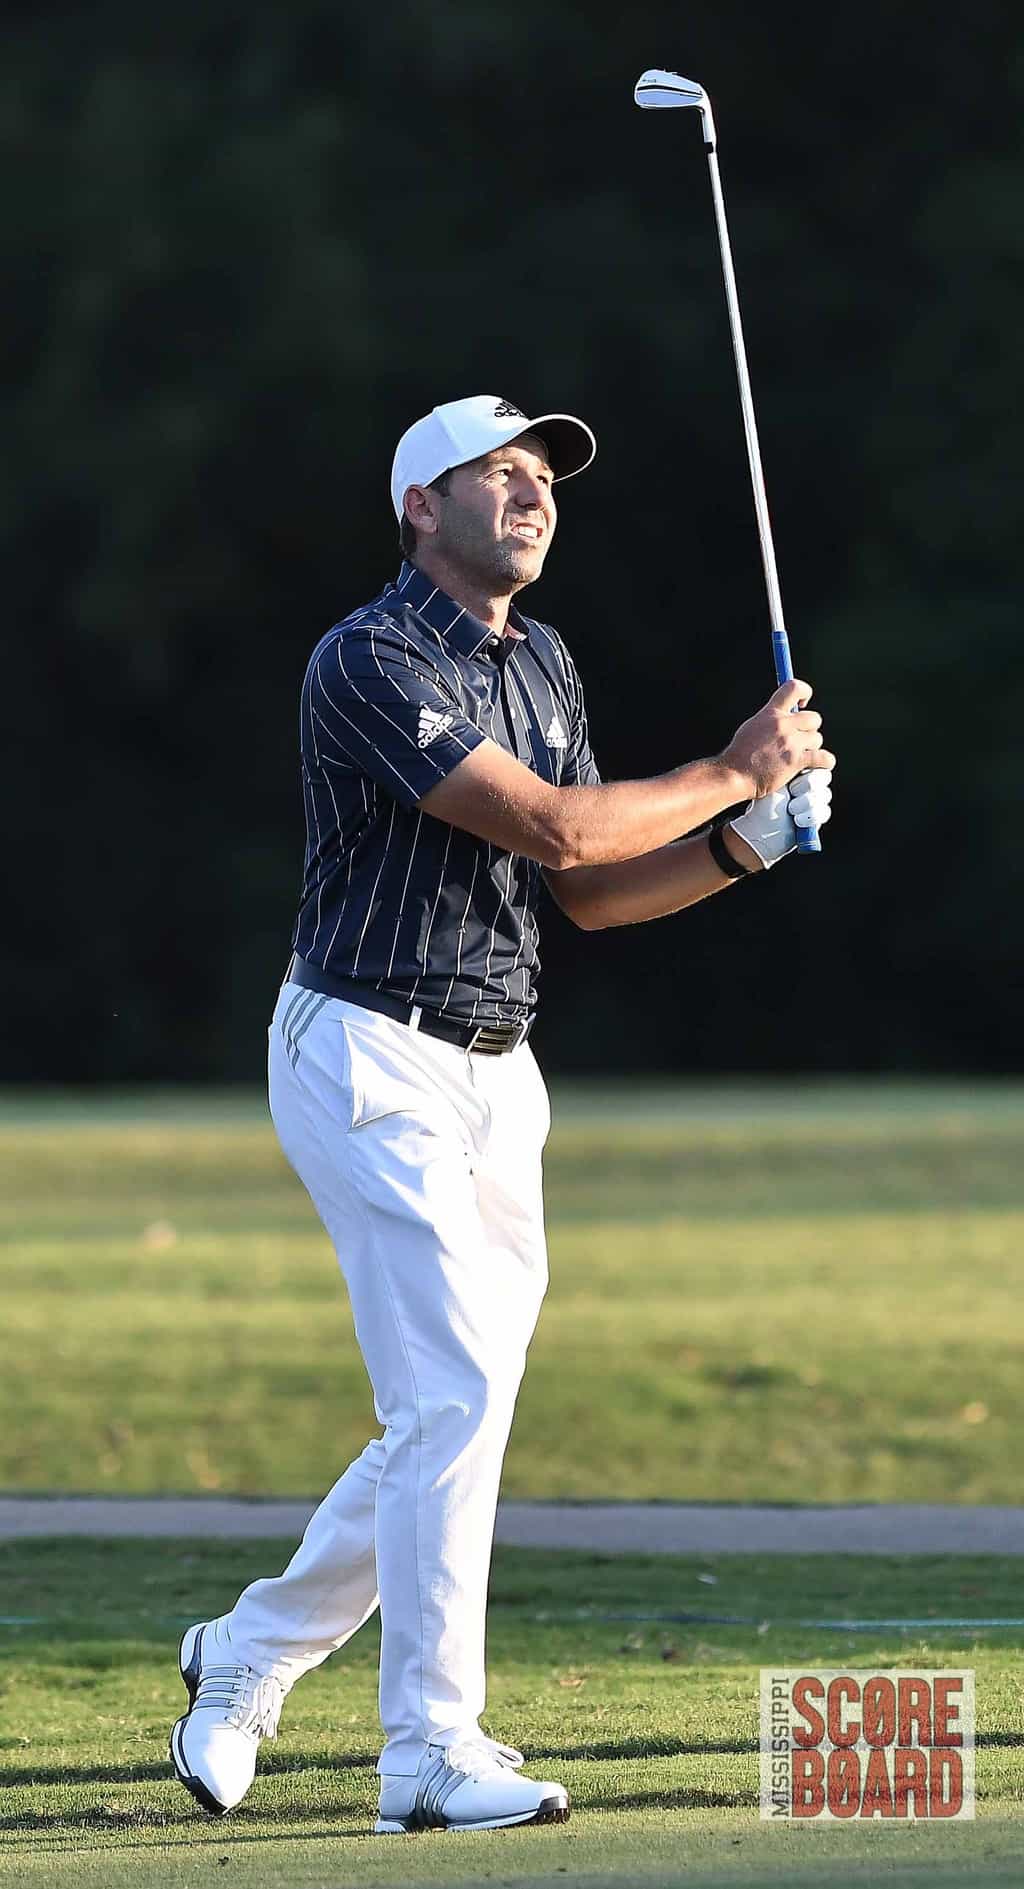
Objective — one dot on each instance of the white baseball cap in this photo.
(464, 429)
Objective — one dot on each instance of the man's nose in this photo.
(531, 493)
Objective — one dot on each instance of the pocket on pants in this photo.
(391, 1070)
(362, 1067)
(376, 1089)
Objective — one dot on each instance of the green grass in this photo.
(652, 1724)
(804, 1294)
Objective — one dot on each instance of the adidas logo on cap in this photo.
(459, 431)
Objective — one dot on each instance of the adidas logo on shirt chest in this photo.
(555, 734)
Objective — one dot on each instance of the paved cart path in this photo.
(607, 1528)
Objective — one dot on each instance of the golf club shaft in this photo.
(808, 840)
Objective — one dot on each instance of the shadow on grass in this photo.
(87, 1774)
(161, 1771)
(97, 1819)
(296, 1763)
(35, 1841)
(686, 1798)
(181, 1829)
(644, 1748)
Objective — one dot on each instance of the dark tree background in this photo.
(245, 246)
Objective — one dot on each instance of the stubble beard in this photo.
(500, 564)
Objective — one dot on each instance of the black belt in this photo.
(485, 1039)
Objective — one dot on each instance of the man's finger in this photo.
(812, 812)
(802, 783)
(812, 790)
(791, 695)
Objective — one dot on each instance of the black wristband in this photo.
(723, 858)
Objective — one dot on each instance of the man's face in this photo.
(498, 517)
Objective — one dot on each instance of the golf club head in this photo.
(667, 91)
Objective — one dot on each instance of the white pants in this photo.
(424, 1164)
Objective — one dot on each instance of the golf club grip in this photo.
(807, 837)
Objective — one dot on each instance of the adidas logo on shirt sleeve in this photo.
(431, 724)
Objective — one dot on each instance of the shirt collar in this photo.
(452, 620)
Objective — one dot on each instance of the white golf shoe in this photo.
(230, 1708)
(473, 1786)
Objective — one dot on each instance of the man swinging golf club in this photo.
(447, 772)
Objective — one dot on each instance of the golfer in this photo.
(447, 774)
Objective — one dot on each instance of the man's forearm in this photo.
(496, 796)
(618, 821)
(653, 886)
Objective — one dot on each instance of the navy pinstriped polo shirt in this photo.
(394, 697)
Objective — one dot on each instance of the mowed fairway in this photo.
(652, 1724)
(790, 1294)
(795, 1295)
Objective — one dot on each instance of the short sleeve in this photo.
(579, 768)
(390, 712)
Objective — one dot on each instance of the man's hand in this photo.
(769, 826)
(781, 740)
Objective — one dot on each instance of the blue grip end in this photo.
(808, 837)
(783, 659)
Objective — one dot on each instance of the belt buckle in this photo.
(495, 1030)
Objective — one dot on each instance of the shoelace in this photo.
(251, 1702)
(481, 1757)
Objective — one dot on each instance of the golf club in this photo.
(667, 91)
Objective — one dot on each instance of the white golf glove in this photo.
(770, 825)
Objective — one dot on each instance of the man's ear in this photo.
(421, 509)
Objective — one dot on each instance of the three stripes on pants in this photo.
(301, 1012)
